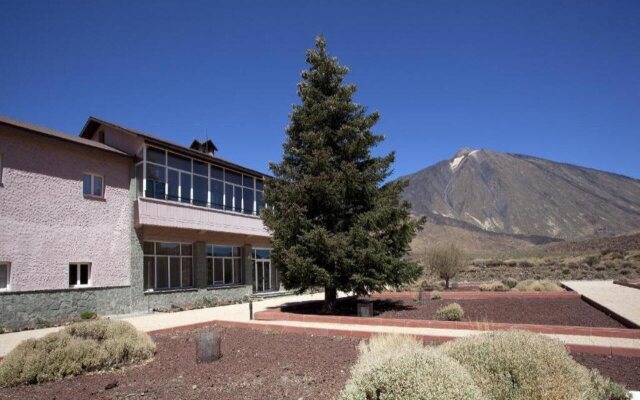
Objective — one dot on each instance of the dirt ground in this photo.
(566, 312)
(255, 365)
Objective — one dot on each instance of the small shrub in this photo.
(517, 365)
(435, 295)
(430, 284)
(607, 390)
(592, 260)
(450, 312)
(600, 267)
(525, 264)
(510, 282)
(81, 347)
(88, 315)
(396, 367)
(537, 286)
(493, 287)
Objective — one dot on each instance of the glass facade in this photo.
(168, 265)
(174, 177)
(224, 265)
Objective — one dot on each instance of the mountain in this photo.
(523, 198)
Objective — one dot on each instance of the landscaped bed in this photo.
(255, 365)
(541, 311)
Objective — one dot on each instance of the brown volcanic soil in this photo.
(255, 365)
(566, 312)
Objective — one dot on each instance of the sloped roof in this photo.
(94, 123)
(58, 135)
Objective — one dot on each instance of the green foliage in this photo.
(400, 368)
(517, 365)
(450, 312)
(88, 315)
(81, 347)
(606, 389)
(335, 223)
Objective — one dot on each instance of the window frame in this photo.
(181, 256)
(228, 201)
(233, 258)
(1, 168)
(78, 265)
(92, 180)
(7, 265)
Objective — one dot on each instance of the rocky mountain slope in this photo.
(524, 197)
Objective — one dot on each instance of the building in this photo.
(118, 221)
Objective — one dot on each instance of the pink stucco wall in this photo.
(45, 221)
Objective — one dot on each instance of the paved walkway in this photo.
(240, 313)
(621, 300)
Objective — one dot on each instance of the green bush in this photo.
(510, 282)
(517, 365)
(607, 390)
(400, 368)
(81, 347)
(435, 295)
(493, 287)
(531, 285)
(88, 315)
(450, 312)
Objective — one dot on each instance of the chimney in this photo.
(206, 147)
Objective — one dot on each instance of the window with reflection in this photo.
(224, 265)
(167, 265)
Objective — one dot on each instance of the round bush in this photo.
(419, 374)
(81, 347)
(435, 295)
(450, 312)
(493, 287)
(517, 365)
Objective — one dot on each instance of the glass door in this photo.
(262, 272)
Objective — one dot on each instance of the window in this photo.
(92, 185)
(168, 265)
(5, 277)
(175, 177)
(79, 274)
(224, 265)
(0, 169)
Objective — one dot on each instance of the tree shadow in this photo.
(347, 306)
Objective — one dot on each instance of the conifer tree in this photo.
(335, 222)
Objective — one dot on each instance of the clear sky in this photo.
(556, 79)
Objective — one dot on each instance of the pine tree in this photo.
(335, 223)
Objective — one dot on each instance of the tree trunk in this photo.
(446, 283)
(330, 298)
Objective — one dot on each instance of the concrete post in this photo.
(247, 264)
(200, 264)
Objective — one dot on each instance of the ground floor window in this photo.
(5, 277)
(79, 274)
(168, 265)
(224, 265)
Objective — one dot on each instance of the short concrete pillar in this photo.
(208, 347)
(365, 308)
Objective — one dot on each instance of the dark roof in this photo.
(58, 135)
(93, 123)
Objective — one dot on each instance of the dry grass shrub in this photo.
(397, 367)
(450, 312)
(531, 285)
(517, 365)
(435, 295)
(493, 287)
(81, 347)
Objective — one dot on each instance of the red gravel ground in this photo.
(558, 311)
(255, 365)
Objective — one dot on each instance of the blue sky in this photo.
(557, 79)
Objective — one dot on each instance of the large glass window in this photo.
(175, 177)
(168, 265)
(224, 265)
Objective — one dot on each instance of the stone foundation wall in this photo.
(163, 299)
(41, 308)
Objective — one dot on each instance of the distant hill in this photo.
(524, 200)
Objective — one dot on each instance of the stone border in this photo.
(471, 295)
(429, 339)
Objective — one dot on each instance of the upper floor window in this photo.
(79, 274)
(92, 185)
(5, 277)
(1, 168)
(175, 177)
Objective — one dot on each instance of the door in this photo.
(262, 274)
